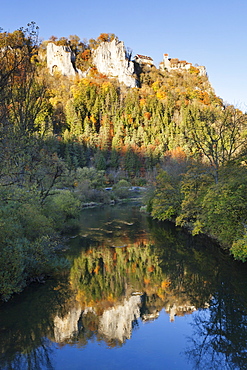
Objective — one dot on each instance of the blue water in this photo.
(196, 293)
(159, 344)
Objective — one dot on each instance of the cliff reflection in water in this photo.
(115, 284)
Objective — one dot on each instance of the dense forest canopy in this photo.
(62, 140)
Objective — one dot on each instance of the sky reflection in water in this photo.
(153, 345)
(160, 300)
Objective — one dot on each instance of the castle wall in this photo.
(176, 64)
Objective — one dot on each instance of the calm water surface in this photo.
(140, 294)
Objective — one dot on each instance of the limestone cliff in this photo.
(110, 59)
(60, 58)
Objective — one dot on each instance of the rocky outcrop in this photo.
(110, 59)
(61, 59)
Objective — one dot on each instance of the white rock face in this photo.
(116, 323)
(60, 58)
(110, 59)
(65, 327)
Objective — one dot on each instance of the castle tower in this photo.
(166, 61)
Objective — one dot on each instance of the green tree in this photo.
(166, 203)
(100, 160)
(217, 135)
(121, 189)
(224, 208)
(132, 163)
(194, 186)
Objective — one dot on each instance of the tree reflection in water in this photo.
(34, 358)
(27, 326)
(110, 284)
(210, 278)
(220, 334)
(111, 290)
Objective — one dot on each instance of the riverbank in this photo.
(192, 199)
(121, 299)
(35, 234)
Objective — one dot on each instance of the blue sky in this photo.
(211, 33)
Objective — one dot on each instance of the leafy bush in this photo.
(61, 208)
(121, 189)
(12, 267)
(42, 259)
(195, 201)
(239, 249)
(22, 261)
(28, 239)
(167, 197)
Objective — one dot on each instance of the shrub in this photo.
(12, 267)
(239, 249)
(121, 189)
(62, 207)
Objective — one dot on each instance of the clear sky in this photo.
(211, 33)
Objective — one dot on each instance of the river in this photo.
(139, 294)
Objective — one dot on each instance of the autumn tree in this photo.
(25, 161)
(106, 37)
(74, 41)
(215, 134)
(23, 89)
(16, 50)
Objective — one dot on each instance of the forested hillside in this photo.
(63, 140)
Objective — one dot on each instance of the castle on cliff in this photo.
(170, 64)
(110, 58)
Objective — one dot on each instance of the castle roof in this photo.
(139, 56)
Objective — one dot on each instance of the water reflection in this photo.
(117, 286)
(221, 332)
(125, 271)
(27, 326)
